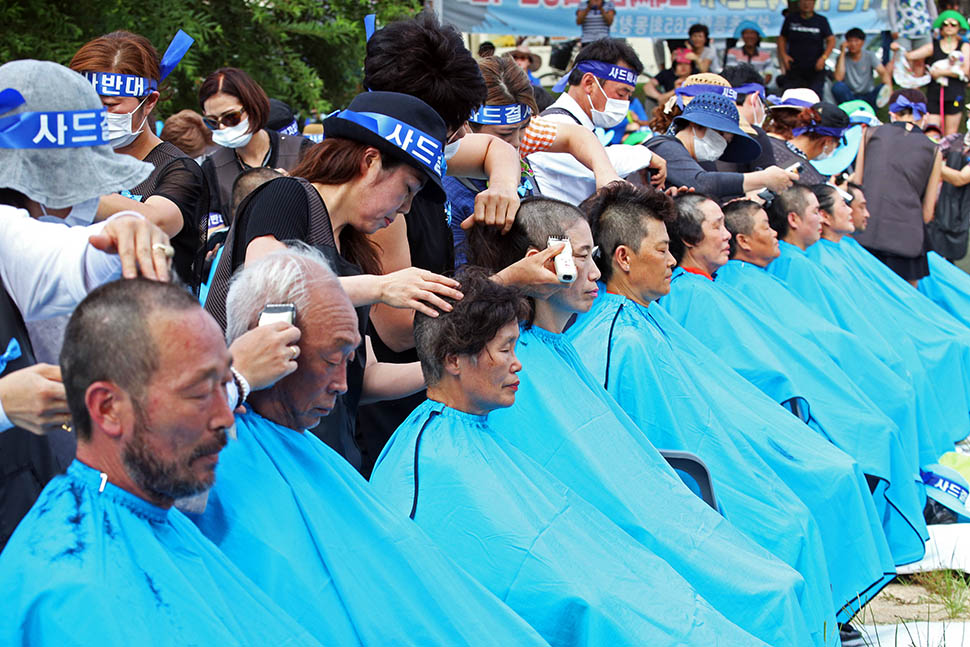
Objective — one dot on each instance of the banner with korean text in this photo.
(652, 18)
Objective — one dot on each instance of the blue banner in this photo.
(652, 18)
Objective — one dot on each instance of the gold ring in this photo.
(168, 250)
(295, 351)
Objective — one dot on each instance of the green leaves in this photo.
(306, 52)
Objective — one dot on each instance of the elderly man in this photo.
(582, 437)
(571, 573)
(796, 373)
(102, 558)
(300, 521)
(650, 365)
(794, 215)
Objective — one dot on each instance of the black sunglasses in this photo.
(228, 119)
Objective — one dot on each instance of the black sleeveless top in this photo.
(178, 178)
(289, 208)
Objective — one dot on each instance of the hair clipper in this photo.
(565, 267)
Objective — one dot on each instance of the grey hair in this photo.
(280, 277)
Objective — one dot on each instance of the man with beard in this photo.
(144, 370)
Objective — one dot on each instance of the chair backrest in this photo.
(694, 473)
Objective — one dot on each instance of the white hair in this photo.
(279, 277)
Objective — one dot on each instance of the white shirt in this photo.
(48, 268)
(561, 176)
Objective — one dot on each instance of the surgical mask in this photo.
(451, 149)
(758, 113)
(234, 136)
(81, 214)
(826, 153)
(120, 133)
(616, 110)
(710, 147)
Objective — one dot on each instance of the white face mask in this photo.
(825, 154)
(615, 112)
(234, 137)
(120, 133)
(710, 147)
(758, 113)
(81, 214)
(451, 149)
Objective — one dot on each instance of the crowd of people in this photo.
(458, 373)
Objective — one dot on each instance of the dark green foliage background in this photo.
(305, 52)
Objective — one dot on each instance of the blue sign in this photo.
(508, 114)
(653, 18)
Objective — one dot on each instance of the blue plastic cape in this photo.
(945, 398)
(790, 368)
(111, 569)
(305, 526)
(940, 339)
(873, 366)
(580, 435)
(550, 555)
(777, 483)
(948, 287)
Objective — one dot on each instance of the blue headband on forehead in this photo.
(504, 115)
(703, 88)
(828, 131)
(424, 148)
(749, 88)
(601, 70)
(51, 128)
(109, 84)
(777, 102)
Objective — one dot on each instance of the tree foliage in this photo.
(309, 53)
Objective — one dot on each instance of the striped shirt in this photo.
(594, 27)
(538, 136)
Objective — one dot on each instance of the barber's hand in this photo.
(675, 191)
(266, 354)
(494, 207)
(33, 398)
(419, 290)
(139, 244)
(786, 60)
(894, 45)
(820, 64)
(659, 166)
(778, 179)
(535, 274)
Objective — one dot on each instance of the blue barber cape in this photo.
(948, 287)
(945, 397)
(551, 556)
(884, 378)
(766, 465)
(789, 368)
(110, 569)
(886, 298)
(578, 432)
(305, 526)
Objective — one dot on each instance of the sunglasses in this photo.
(950, 23)
(228, 119)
